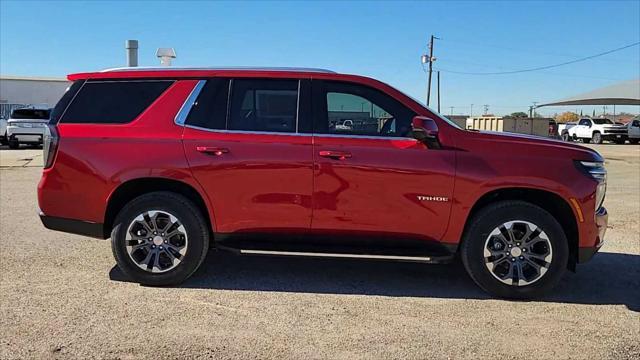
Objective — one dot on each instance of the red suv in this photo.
(168, 162)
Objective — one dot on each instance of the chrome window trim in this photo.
(182, 114)
(299, 134)
(252, 132)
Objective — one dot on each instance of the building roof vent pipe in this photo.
(132, 52)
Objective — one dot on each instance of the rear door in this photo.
(370, 176)
(243, 145)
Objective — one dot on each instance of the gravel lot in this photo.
(62, 297)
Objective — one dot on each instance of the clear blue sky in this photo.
(379, 39)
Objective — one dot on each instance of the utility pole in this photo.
(486, 109)
(438, 91)
(429, 59)
(471, 115)
(451, 107)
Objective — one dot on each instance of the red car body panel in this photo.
(279, 182)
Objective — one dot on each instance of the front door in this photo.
(370, 177)
(244, 148)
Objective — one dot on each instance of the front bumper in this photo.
(614, 136)
(586, 253)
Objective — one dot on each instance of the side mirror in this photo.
(425, 130)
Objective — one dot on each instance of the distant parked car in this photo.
(27, 126)
(598, 130)
(633, 129)
(3, 131)
(563, 130)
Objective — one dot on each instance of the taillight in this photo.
(50, 145)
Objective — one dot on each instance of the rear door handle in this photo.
(337, 155)
(217, 151)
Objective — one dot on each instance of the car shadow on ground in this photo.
(608, 279)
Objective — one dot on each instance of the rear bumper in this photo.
(586, 253)
(73, 226)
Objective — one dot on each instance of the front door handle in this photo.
(217, 151)
(337, 155)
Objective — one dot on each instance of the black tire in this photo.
(494, 215)
(620, 141)
(565, 136)
(634, 141)
(14, 144)
(596, 138)
(187, 213)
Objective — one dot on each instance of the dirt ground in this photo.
(61, 296)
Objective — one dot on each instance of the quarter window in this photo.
(113, 101)
(263, 105)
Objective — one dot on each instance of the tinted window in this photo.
(263, 105)
(210, 109)
(635, 123)
(61, 106)
(359, 110)
(39, 114)
(113, 101)
(585, 122)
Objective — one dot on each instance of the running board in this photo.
(422, 259)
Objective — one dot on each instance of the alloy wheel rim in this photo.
(518, 253)
(156, 241)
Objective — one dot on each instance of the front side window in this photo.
(636, 123)
(353, 109)
(263, 105)
(115, 102)
(585, 122)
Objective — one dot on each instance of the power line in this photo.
(542, 67)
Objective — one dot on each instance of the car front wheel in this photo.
(160, 238)
(596, 138)
(514, 249)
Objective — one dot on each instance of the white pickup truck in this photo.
(594, 131)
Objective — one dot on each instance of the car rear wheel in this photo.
(13, 144)
(514, 249)
(160, 238)
(596, 138)
(566, 137)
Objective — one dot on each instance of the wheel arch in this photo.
(555, 204)
(133, 188)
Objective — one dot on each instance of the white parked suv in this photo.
(598, 130)
(633, 128)
(27, 126)
(3, 131)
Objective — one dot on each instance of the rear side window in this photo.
(263, 105)
(113, 102)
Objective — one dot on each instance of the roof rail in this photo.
(220, 68)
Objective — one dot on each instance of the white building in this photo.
(18, 91)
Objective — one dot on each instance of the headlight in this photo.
(597, 171)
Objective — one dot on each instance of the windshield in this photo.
(602, 121)
(38, 114)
